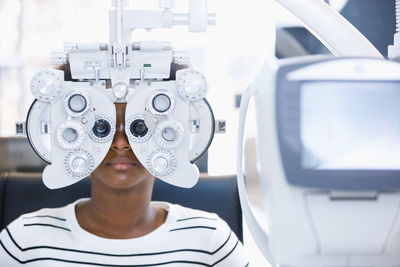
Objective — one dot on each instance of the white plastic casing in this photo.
(309, 227)
(58, 57)
(180, 171)
(59, 173)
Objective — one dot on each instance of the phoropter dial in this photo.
(103, 129)
(191, 84)
(162, 102)
(161, 163)
(47, 85)
(79, 163)
(77, 103)
(70, 135)
(169, 134)
(136, 129)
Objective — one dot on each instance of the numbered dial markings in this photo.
(169, 134)
(46, 85)
(192, 85)
(136, 129)
(70, 135)
(79, 163)
(103, 129)
(161, 163)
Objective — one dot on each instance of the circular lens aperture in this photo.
(70, 135)
(161, 103)
(77, 103)
(101, 128)
(138, 128)
(169, 134)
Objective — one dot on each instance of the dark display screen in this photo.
(350, 125)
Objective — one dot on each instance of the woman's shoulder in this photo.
(208, 230)
(184, 217)
(35, 225)
(33, 232)
(201, 226)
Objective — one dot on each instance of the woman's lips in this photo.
(121, 164)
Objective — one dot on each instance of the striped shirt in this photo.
(53, 237)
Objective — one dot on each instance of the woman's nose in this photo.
(120, 141)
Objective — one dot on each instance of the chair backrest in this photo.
(24, 192)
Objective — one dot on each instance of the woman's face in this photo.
(120, 168)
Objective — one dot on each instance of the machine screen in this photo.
(350, 125)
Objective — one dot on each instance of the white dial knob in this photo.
(169, 134)
(120, 90)
(79, 163)
(191, 84)
(161, 163)
(47, 85)
(70, 135)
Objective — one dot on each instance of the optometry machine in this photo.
(328, 152)
(169, 123)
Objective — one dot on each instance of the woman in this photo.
(119, 225)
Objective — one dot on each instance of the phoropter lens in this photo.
(138, 128)
(101, 128)
(169, 134)
(77, 103)
(70, 135)
(161, 103)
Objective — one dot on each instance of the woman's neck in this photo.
(120, 213)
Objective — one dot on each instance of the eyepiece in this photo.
(138, 128)
(101, 128)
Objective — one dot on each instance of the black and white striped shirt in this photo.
(53, 237)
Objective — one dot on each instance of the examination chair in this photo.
(25, 192)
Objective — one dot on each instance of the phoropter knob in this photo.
(191, 84)
(161, 163)
(79, 163)
(47, 85)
